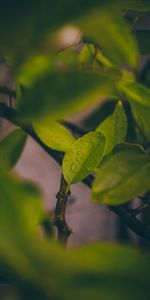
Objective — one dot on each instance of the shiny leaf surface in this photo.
(84, 155)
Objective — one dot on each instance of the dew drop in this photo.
(79, 153)
(78, 159)
(89, 167)
(73, 168)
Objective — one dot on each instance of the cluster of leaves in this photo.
(52, 85)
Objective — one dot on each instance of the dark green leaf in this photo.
(25, 25)
(33, 69)
(84, 155)
(68, 57)
(86, 273)
(11, 147)
(107, 28)
(136, 5)
(53, 134)
(123, 176)
(59, 93)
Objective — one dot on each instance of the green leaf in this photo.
(139, 97)
(86, 55)
(11, 147)
(32, 22)
(107, 28)
(86, 273)
(68, 57)
(122, 177)
(53, 134)
(108, 271)
(61, 93)
(114, 127)
(136, 5)
(84, 155)
(25, 252)
(33, 68)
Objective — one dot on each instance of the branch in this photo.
(133, 223)
(59, 220)
(8, 92)
(11, 115)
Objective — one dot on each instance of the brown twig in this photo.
(59, 220)
(4, 90)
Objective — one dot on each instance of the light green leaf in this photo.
(86, 55)
(53, 134)
(139, 97)
(84, 155)
(114, 127)
(107, 28)
(11, 147)
(123, 176)
(61, 93)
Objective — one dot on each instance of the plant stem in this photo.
(59, 220)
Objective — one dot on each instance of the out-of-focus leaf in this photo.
(87, 54)
(33, 69)
(91, 56)
(123, 176)
(61, 93)
(111, 32)
(68, 57)
(136, 5)
(8, 292)
(53, 134)
(11, 147)
(24, 26)
(106, 270)
(31, 23)
(139, 97)
(143, 40)
(114, 127)
(84, 155)
(33, 260)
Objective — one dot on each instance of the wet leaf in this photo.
(84, 155)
